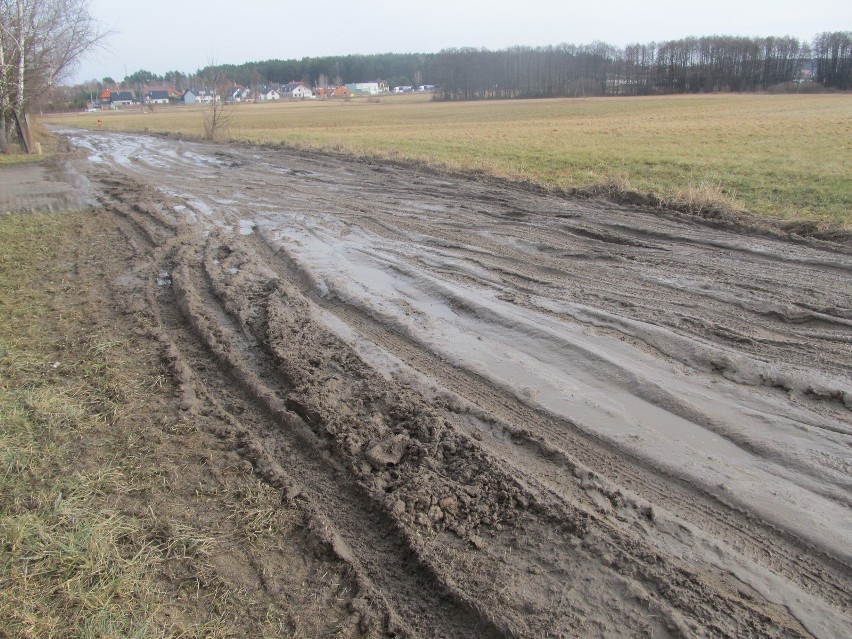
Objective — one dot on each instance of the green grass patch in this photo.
(783, 156)
(13, 159)
(71, 565)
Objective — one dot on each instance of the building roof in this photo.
(122, 96)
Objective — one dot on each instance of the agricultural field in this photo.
(783, 156)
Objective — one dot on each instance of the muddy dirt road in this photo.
(516, 414)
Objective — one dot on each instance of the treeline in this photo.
(832, 55)
(690, 65)
(393, 68)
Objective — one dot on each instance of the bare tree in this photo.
(4, 91)
(217, 118)
(833, 59)
(40, 42)
(255, 84)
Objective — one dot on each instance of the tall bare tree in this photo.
(40, 42)
(833, 59)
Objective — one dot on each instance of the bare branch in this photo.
(40, 43)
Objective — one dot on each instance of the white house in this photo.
(157, 97)
(199, 96)
(207, 97)
(367, 88)
(296, 90)
(122, 98)
(240, 94)
(269, 94)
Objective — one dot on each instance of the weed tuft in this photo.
(704, 199)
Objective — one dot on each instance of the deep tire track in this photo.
(368, 535)
(363, 535)
(777, 550)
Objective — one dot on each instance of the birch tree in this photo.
(40, 43)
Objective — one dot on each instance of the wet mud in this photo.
(512, 414)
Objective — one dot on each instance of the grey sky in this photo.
(164, 35)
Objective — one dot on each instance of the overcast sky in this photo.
(184, 35)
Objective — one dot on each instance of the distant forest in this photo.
(689, 65)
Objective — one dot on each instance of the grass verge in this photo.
(71, 565)
(50, 146)
(120, 515)
(14, 159)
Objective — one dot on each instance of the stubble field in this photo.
(785, 156)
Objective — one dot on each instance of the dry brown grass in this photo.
(71, 565)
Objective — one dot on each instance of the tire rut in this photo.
(379, 551)
(362, 535)
(776, 550)
(419, 604)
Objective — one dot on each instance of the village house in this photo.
(331, 92)
(199, 96)
(269, 93)
(121, 98)
(296, 90)
(239, 94)
(207, 96)
(367, 88)
(157, 97)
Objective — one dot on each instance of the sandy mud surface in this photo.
(47, 186)
(512, 414)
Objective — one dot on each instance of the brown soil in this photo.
(426, 500)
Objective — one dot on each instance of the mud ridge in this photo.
(356, 517)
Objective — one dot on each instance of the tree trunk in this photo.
(18, 97)
(4, 98)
